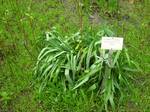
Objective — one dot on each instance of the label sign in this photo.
(112, 43)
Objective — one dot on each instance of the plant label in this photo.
(112, 43)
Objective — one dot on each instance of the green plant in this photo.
(78, 60)
(5, 97)
(108, 5)
(105, 6)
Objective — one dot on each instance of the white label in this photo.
(112, 43)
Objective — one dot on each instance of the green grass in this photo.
(23, 22)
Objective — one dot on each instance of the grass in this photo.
(24, 21)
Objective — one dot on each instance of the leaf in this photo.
(55, 56)
(89, 55)
(55, 77)
(82, 59)
(56, 68)
(116, 58)
(127, 56)
(93, 87)
(45, 71)
(73, 65)
(130, 69)
(46, 53)
(42, 51)
(68, 76)
(137, 66)
(82, 82)
(111, 99)
(86, 77)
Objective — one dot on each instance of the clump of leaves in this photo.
(79, 62)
